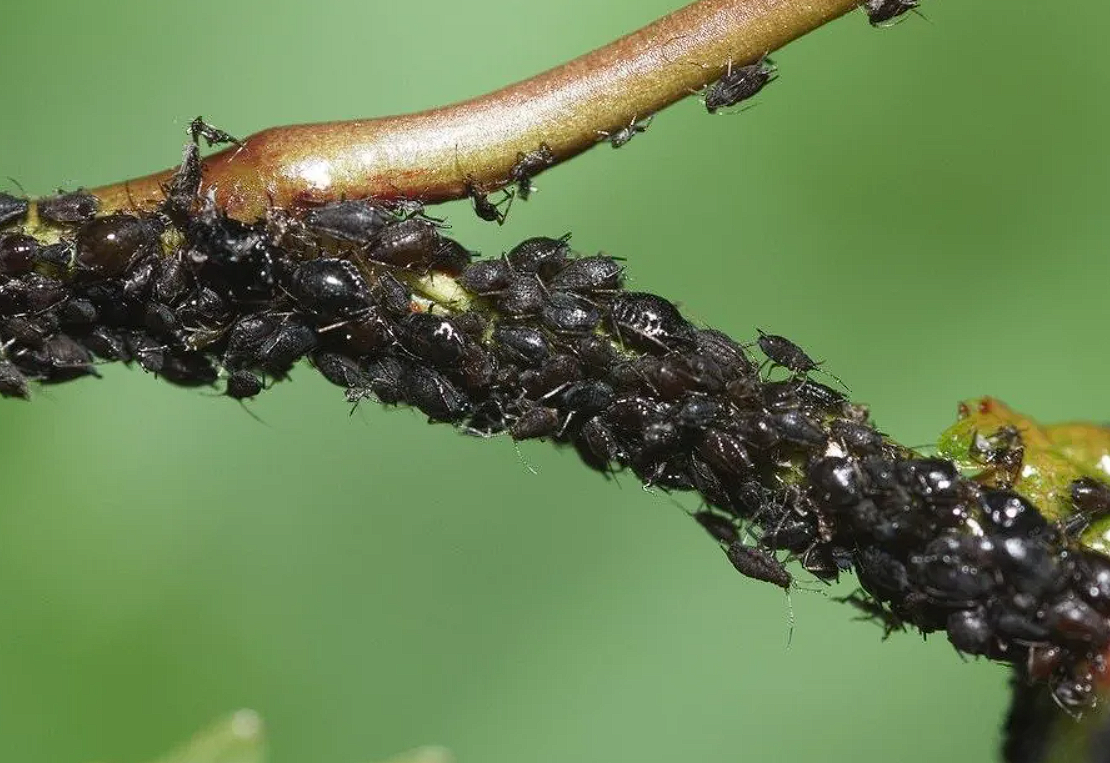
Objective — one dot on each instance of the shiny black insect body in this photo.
(858, 438)
(1091, 496)
(354, 221)
(1009, 513)
(796, 427)
(433, 393)
(528, 165)
(971, 632)
(410, 243)
(540, 255)
(17, 254)
(60, 359)
(589, 275)
(340, 370)
(598, 446)
(587, 397)
(107, 246)
(451, 257)
(649, 322)
(213, 136)
(726, 454)
(486, 277)
(288, 344)
(330, 288)
(739, 84)
(434, 338)
(188, 369)
(566, 314)
(74, 207)
(522, 345)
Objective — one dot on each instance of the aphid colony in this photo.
(541, 342)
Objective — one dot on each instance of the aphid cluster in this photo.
(547, 343)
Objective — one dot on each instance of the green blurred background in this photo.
(922, 206)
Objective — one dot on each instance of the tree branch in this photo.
(431, 155)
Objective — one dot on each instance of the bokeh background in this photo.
(922, 206)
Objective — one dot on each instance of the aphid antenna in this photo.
(733, 112)
(523, 461)
(554, 392)
(790, 619)
(832, 376)
(252, 414)
(17, 184)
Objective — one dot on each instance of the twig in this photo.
(431, 155)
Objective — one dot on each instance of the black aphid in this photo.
(340, 370)
(620, 137)
(1091, 496)
(74, 207)
(410, 243)
(780, 351)
(522, 345)
(17, 254)
(970, 631)
(288, 344)
(567, 314)
(540, 255)
(739, 84)
(213, 136)
(523, 295)
(330, 288)
(880, 12)
(433, 393)
(434, 338)
(528, 165)
(182, 188)
(486, 209)
(759, 565)
(107, 246)
(242, 385)
(589, 275)
(538, 421)
(649, 322)
(486, 276)
(355, 221)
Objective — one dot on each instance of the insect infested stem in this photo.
(431, 155)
